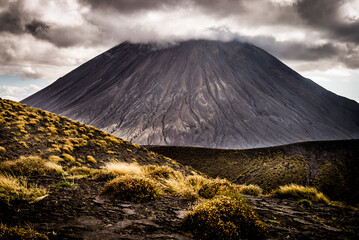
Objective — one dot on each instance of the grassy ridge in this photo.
(27, 131)
(35, 142)
(330, 166)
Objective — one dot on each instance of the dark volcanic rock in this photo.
(199, 93)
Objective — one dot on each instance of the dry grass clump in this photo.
(18, 233)
(224, 217)
(187, 187)
(55, 159)
(91, 159)
(297, 192)
(250, 190)
(80, 171)
(115, 169)
(68, 158)
(215, 187)
(13, 188)
(29, 166)
(131, 188)
(122, 168)
(161, 172)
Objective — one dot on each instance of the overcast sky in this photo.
(42, 40)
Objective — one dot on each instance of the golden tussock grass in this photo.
(12, 233)
(15, 188)
(91, 159)
(68, 158)
(30, 166)
(132, 188)
(294, 191)
(224, 217)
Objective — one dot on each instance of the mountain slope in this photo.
(76, 207)
(199, 93)
(330, 166)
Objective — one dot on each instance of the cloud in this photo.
(17, 93)
(47, 38)
(326, 15)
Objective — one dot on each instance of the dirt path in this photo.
(81, 213)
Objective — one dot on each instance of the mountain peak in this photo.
(199, 93)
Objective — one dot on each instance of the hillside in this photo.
(60, 179)
(27, 131)
(331, 166)
(199, 93)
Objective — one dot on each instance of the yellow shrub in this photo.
(215, 187)
(80, 171)
(68, 157)
(111, 152)
(101, 143)
(20, 233)
(68, 148)
(250, 190)
(23, 144)
(52, 129)
(29, 166)
(299, 192)
(91, 159)
(164, 172)
(55, 159)
(224, 217)
(67, 132)
(121, 168)
(12, 188)
(131, 188)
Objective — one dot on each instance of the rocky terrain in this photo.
(82, 213)
(53, 172)
(199, 93)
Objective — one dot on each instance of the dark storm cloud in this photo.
(321, 15)
(324, 15)
(37, 28)
(11, 17)
(221, 8)
(126, 6)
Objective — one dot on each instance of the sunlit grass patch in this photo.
(29, 166)
(80, 171)
(91, 159)
(224, 217)
(18, 233)
(250, 189)
(68, 158)
(122, 168)
(13, 188)
(161, 172)
(298, 192)
(215, 187)
(132, 188)
(55, 159)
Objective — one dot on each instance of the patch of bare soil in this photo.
(82, 213)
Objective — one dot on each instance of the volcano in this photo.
(199, 93)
